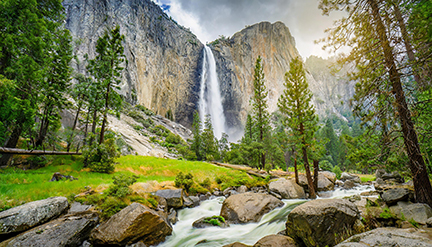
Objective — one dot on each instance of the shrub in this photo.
(144, 109)
(160, 130)
(325, 165)
(197, 189)
(337, 171)
(184, 181)
(110, 207)
(120, 187)
(186, 152)
(173, 138)
(100, 157)
(206, 183)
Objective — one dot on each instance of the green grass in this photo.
(18, 186)
(367, 177)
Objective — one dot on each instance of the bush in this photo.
(160, 130)
(173, 138)
(206, 183)
(337, 171)
(197, 189)
(186, 152)
(110, 207)
(100, 157)
(325, 165)
(184, 181)
(144, 109)
(120, 187)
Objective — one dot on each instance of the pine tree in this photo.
(295, 103)
(209, 141)
(378, 73)
(248, 132)
(106, 68)
(260, 115)
(197, 138)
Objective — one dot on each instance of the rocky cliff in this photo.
(164, 58)
(236, 57)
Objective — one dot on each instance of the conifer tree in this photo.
(197, 139)
(260, 115)
(295, 103)
(209, 141)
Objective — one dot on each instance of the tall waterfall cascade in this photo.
(210, 101)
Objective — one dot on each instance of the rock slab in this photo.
(70, 230)
(287, 189)
(322, 222)
(248, 207)
(31, 214)
(420, 212)
(386, 237)
(392, 196)
(275, 241)
(132, 224)
(174, 198)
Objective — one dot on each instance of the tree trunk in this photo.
(312, 194)
(315, 180)
(407, 43)
(296, 171)
(73, 128)
(102, 134)
(11, 143)
(422, 185)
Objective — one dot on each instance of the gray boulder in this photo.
(349, 184)
(132, 224)
(195, 200)
(429, 222)
(419, 212)
(275, 241)
(394, 177)
(70, 230)
(329, 175)
(347, 176)
(287, 189)
(386, 237)
(325, 184)
(379, 173)
(322, 222)
(248, 207)
(242, 189)
(174, 198)
(77, 207)
(31, 214)
(392, 196)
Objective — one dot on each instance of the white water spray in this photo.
(210, 101)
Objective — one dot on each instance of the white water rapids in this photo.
(184, 235)
(210, 101)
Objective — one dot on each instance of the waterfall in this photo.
(210, 101)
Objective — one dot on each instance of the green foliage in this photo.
(173, 138)
(214, 220)
(337, 171)
(144, 109)
(100, 157)
(206, 183)
(197, 189)
(240, 179)
(414, 223)
(209, 142)
(169, 115)
(160, 130)
(386, 214)
(326, 165)
(184, 181)
(111, 206)
(120, 187)
(186, 152)
(197, 139)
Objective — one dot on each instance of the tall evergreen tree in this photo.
(260, 115)
(378, 71)
(295, 103)
(197, 138)
(209, 141)
(106, 69)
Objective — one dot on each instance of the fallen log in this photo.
(34, 152)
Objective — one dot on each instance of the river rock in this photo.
(201, 224)
(287, 189)
(322, 222)
(242, 189)
(429, 222)
(236, 244)
(248, 207)
(324, 184)
(329, 175)
(349, 184)
(392, 196)
(132, 224)
(382, 237)
(187, 202)
(70, 230)
(195, 200)
(347, 176)
(31, 214)
(174, 198)
(419, 212)
(275, 241)
(393, 177)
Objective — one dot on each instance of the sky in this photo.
(208, 19)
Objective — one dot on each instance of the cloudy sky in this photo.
(210, 18)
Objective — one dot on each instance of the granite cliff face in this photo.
(164, 58)
(236, 57)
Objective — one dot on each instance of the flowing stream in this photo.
(271, 223)
(210, 101)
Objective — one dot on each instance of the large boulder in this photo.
(31, 214)
(349, 184)
(386, 237)
(174, 198)
(393, 177)
(236, 244)
(419, 212)
(70, 230)
(324, 184)
(392, 196)
(329, 175)
(347, 176)
(248, 207)
(287, 189)
(275, 241)
(322, 222)
(132, 224)
(214, 221)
